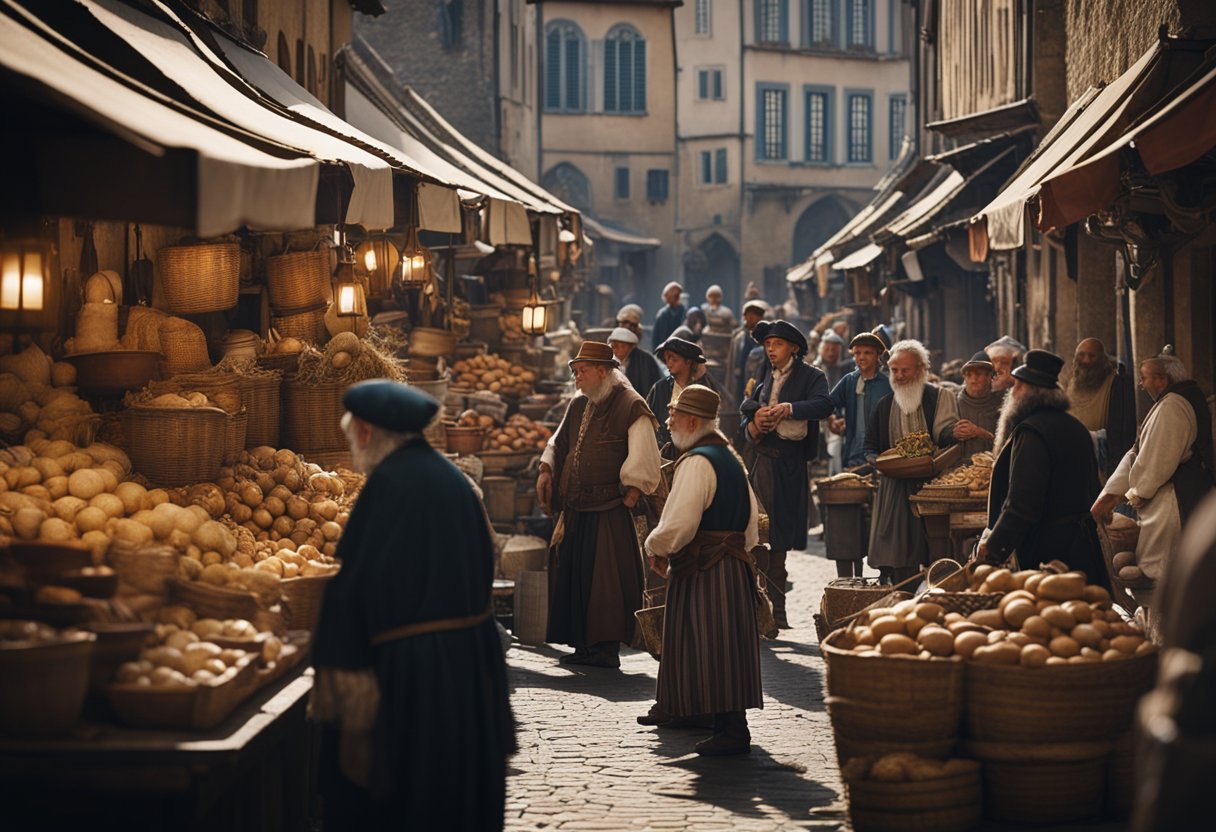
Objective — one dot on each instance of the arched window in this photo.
(565, 57)
(299, 62)
(284, 54)
(624, 71)
(569, 184)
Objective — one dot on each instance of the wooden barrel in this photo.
(531, 606)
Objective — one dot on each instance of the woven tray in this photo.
(850, 495)
(500, 462)
(197, 709)
(922, 467)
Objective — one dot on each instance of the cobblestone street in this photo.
(585, 763)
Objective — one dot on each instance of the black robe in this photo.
(659, 398)
(417, 549)
(1044, 481)
(643, 371)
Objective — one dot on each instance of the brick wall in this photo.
(458, 79)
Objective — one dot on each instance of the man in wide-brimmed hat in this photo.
(711, 650)
(639, 366)
(685, 365)
(419, 561)
(781, 418)
(670, 316)
(979, 406)
(1045, 476)
(596, 468)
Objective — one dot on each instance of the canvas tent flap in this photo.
(859, 259)
(236, 184)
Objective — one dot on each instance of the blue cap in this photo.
(390, 405)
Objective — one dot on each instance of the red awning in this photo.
(1174, 136)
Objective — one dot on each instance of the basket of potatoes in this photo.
(901, 790)
(513, 445)
(494, 373)
(467, 435)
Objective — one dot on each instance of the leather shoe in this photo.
(597, 659)
(689, 723)
(576, 657)
(723, 745)
(655, 716)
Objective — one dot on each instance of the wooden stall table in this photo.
(254, 772)
(948, 522)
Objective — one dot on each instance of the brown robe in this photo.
(595, 565)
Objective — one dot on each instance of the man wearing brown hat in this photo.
(711, 649)
(601, 461)
(979, 406)
(1045, 477)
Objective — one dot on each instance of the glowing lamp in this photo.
(415, 269)
(347, 290)
(378, 258)
(535, 316)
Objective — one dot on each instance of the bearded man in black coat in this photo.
(411, 686)
(1044, 479)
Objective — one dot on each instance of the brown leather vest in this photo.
(590, 479)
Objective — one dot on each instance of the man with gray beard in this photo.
(600, 463)
(410, 686)
(898, 544)
(1103, 398)
(711, 647)
(1044, 478)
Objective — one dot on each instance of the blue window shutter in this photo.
(702, 83)
(706, 168)
(574, 75)
(639, 76)
(758, 131)
(785, 125)
(622, 183)
(785, 21)
(718, 85)
(553, 70)
(720, 165)
(624, 87)
(610, 90)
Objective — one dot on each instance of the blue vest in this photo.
(730, 509)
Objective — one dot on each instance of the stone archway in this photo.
(714, 260)
(818, 222)
(569, 184)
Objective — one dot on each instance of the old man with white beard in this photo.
(410, 686)
(898, 544)
(711, 651)
(602, 460)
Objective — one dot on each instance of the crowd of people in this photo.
(645, 490)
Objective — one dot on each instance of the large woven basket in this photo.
(1042, 783)
(202, 278)
(878, 697)
(306, 324)
(262, 399)
(184, 347)
(429, 342)
(304, 595)
(176, 446)
(298, 280)
(312, 415)
(146, 569)
(946, 804)
(213, 601)
(1089, 701)
(463, 440)
(235, 436)
(44, 684)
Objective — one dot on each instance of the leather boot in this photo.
(776, 586)
(731, 736)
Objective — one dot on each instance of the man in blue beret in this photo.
(411, 686)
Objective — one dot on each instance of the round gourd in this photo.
(894, 644)
(164, 519)
(56, 487)
(55, 529)
(66, 508)
(86, 483)
(132, 496)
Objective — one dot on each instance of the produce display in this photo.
(904, 767)
(1042, 618)
(347, 358)
(14, 632)
(518, 434)
(975, 478)
(34, 397)
(913, 445)
(489, 372)
(277, 345)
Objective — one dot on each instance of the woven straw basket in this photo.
(176, 446)
(306, 324)
(261, 397)
(214, 602)
(1089, 701)
(312, 415)
(44, 685)
(184, 348)
(235, 436)
(531, 607)
(298, 280)
(146, 569)
(947, 804)
(1042, 783)
(463, 440)
(202, 278)
(650, 619)
(304, 595)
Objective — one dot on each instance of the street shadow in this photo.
(748, 785)
(788, 681)
(612, 685)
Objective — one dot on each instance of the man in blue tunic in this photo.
(411, 686)
(671, 316)
(781, 418)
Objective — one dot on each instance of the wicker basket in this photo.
(429, 342)
(523, 553)
(144, 569)
(235, 436)
(184, 347)
(116, 643)
(312, 415)
(843, 597)
(261, 395)
(114, 373)
(304, 595)
(213, 601)
(936, 749)
(947, 804)
(1042, 783)
(1089, 701)
(499, 498)
(875, 697)
(464, 441)
(502, 462)
(284, 362)
(200, 708)
(891, 464)
(201, 278)
(1121, 776)
(298, 280)
(176, 446)
(650, 619)
(307, 324)
(44, 684)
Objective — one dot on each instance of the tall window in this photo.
(624, 71)
(710, 86)
(720, 165)
(821, 23)
(897, 123)
(772, 20)
(772, 106)
(818, 125)
(861, 23)
(703, 19)
(621, 183)
(564, 56)
(860, 105)
(713, 166)
(656, 185)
